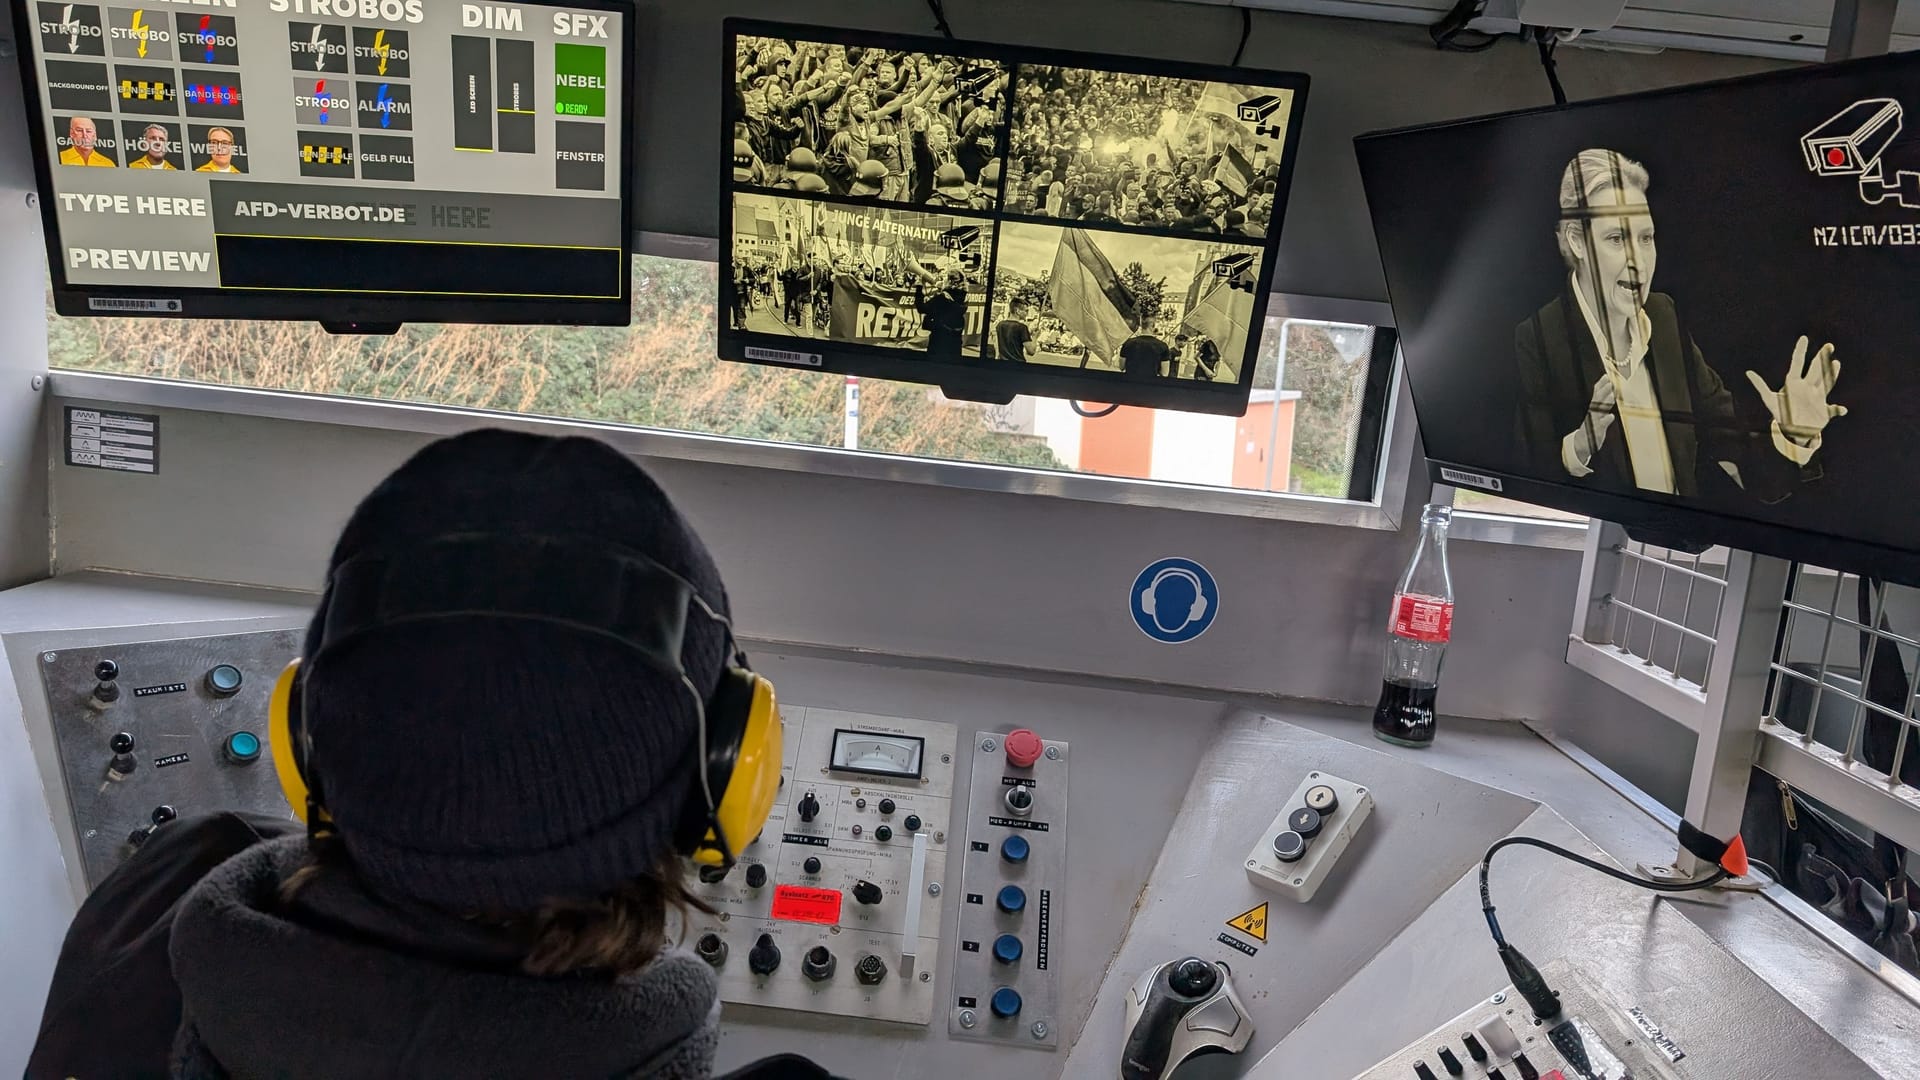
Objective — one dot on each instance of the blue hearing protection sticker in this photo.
(1174, 601)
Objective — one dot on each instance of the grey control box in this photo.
(1299, 849)
(1013, 874)
(835, 908)
(152, 730)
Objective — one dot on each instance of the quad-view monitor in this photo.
(352, 161)
(1001, 221)
(1691, 312)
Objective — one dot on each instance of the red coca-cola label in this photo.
(1423, 618)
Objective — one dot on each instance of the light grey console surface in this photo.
(1169, 793)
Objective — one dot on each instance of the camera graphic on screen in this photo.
(1255, 111)
(1854, 142)
(1236, 270)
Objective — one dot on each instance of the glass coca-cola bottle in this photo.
(1417, 635)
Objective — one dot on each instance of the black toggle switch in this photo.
(867, 892)
(1451, 1063)
(809, 807)
(1474, 1049)
(912, 823)
(1420, 1070)
(121, 743)
(121, 766)
(162, 814)
(764, 957)
(1527, 1071)
(883, 834)
(812, 865)
(106, 691)
(756, 876)
(1496, 1074)
(886, 807)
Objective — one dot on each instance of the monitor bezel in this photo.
(341, 311)
(978, 379)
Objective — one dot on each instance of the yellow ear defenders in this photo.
(632, 600)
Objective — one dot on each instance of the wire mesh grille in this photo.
(1843, 672)
(1665, 608)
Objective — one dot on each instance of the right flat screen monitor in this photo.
(1694, 312)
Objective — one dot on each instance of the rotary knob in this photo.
(809, 807)
(764, 957)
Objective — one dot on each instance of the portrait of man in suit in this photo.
(1613, 390)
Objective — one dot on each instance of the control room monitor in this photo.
(1691, 312)
(999, 220)
(358, 162)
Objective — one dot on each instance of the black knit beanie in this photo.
(493, 764)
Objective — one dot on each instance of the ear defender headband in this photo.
(601, 589)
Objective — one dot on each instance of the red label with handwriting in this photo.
(797, 903)
(1423, 618)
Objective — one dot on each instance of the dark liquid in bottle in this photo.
(1405, 713)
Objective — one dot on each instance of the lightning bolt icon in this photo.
(386, 113)
(140, 30)
(381, 49)
(66, 19)
(206, 35)
(319, 51)
(320, 91)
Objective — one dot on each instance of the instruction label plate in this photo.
(118, 441)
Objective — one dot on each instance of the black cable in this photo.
(1451, 33)
(939, 8)
(1548, 44)
(1527, 980)
(1080, 409)
(1246, 31)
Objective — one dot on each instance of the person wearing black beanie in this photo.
(492, 893)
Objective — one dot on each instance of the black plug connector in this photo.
(1530, 984)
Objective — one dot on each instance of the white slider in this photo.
(916, 888)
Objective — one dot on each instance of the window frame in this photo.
(1393, 473)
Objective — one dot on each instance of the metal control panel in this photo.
(1005, 983)
(153, 730)
(835, 908)
(1594, 1038)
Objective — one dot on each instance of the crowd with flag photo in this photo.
(875, 124)
(1187, 317)
(1110, 147)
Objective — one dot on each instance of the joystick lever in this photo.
(1178, 1010)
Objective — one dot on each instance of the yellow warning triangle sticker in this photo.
(1252, 923)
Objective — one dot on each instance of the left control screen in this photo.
(306, 150)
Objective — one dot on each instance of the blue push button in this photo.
(224, 680)
(1006, 1003)
(1014, 849)
(243, 748)
(1012, 899)
(1007, 949)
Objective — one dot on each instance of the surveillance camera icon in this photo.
(1236, 271)
(1255, 111)
(1853, 142)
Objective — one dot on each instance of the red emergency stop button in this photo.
(1023, 748)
